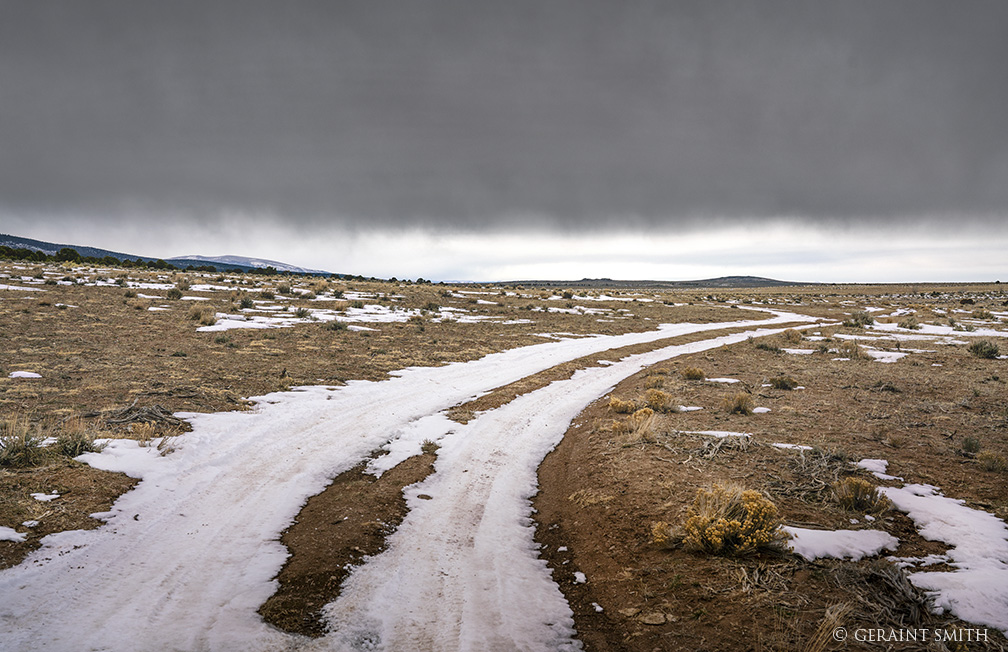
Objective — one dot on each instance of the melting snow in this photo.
(9, 534)
(23, 374)
(839, 544)
(977, 591)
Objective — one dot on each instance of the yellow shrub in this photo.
(693, 373)
(654, 382)
(622, 407)
(659, 401)
(732, 521)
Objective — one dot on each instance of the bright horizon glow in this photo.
(780, 249)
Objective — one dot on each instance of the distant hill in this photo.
(50, 248)
(243, 261)
(219, 263)
(720, 282)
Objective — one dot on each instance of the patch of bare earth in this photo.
(335, 531)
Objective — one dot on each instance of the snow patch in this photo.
(23, 374)
(977, 591)
(9, 534)
(839, 544)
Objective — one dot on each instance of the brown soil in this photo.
(334, 532)
(82, 490)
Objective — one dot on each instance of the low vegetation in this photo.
(858, 495)
(732, 520)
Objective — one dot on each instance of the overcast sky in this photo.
(849, 140)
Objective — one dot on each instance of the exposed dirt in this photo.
(82, 491)
(334, 531)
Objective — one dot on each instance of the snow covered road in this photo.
(189, 555)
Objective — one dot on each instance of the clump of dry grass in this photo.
(174, 294)
(783, 382)
(992, 462)
(984, 349)
(76, 438)
(660, 401)
(858, 495)
(693, 373)
(732, 520)
(622, 407)
(859, 320)
(205, 315)
(910, 323)
(21, 444)
(851, 350)
(791, 336)
(740, 403)
(637, 427)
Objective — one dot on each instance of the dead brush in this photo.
(21, 444)
(858, 495)
(992, 462)
(654, 382)
(732, 520)
(205, 315)
(810, 475)
(851, 350)
(791, 336)
(636, 428)
(660, 401)
(740, 403)
(693, 373)
(622, 407)
(783, 382)
(76, 438)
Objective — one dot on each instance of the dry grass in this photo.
(851, 350)
(858, 495)
(984, 349)
(693, 373)
(739, 403)
(783, 382)
(622, 407)
(660, 401)
(992, 462)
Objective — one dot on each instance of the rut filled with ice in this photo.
(187, 557)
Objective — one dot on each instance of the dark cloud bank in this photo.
(458, 113)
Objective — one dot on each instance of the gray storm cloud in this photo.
(458, 114)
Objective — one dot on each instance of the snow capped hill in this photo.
(249, 262)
